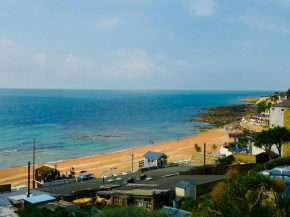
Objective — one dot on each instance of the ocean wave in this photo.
(7, 151)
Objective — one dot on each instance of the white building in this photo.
(152, 159)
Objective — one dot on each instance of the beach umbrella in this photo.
(83, 171)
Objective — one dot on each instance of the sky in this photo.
(145, 44)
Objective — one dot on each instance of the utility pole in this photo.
(204, 148)
(28, 193)
(33, 166)
(132, 162)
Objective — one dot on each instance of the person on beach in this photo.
(72, 172)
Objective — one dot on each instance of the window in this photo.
(143, 202)
(118, 200)
(150, 161)
(282, 109)
(38, 173)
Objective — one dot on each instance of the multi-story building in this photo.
(280, 115)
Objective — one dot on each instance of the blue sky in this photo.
(145, 44)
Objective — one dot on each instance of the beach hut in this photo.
(155, 159)
(46, 173)
(185, 189)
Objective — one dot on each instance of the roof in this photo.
(154, 155)
(44, 169)
(5, 196)
(173, 212)
(286, 103)
(43, 198)
(183, 184)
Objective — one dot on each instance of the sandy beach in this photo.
(98, 164)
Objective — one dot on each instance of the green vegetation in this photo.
(227, 160)
(243, 142)
(272, 164)
(197, 148)
(204, 129)
(110, 211)
(244, 158)
(274, 136)
(252, 195)
(132, 211)
(232, 145)
(288, 92)
(214, 148)
(220, 124)
(262, 106)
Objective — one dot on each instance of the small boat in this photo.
(82, 201)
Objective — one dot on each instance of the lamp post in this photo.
(132, 162)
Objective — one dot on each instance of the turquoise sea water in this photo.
(59, 120)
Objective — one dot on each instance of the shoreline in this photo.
(103, 153)
(177, 150)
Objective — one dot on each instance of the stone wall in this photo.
(287, 118)
(197, 159)
(244, 158)
(251, 126)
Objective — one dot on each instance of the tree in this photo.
(262, 106)
(243, 142)
(214, 147)
(232, 145)
(246, 195)
(280, 136)
(264, 141)
(288, 92)
(197, 148)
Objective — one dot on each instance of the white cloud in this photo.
(269, 24)
(109, 23)
(201, 7)
(22, 68)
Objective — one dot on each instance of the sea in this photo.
(77, 123)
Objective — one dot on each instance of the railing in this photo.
(58, 182)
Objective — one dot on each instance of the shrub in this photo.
(272, 164)
(132, 211)
(227, 160)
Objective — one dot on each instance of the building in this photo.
(46, 173)
(280, 115)
(260, 154)
(155, 159)
(185, 189)
(283, 97)
(152, 190)
(173, 212)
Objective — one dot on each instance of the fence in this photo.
(59, 182)
(219, 170)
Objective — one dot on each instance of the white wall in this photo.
(276, 117)
(148, 164)
(225, 151)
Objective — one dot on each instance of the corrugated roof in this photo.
(183, 184)
(285, 103)
(154, 155)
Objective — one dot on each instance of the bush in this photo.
(272, 164)
(131, 211)
(227, 160)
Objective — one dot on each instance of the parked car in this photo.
(285, 170)
(86, 176)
